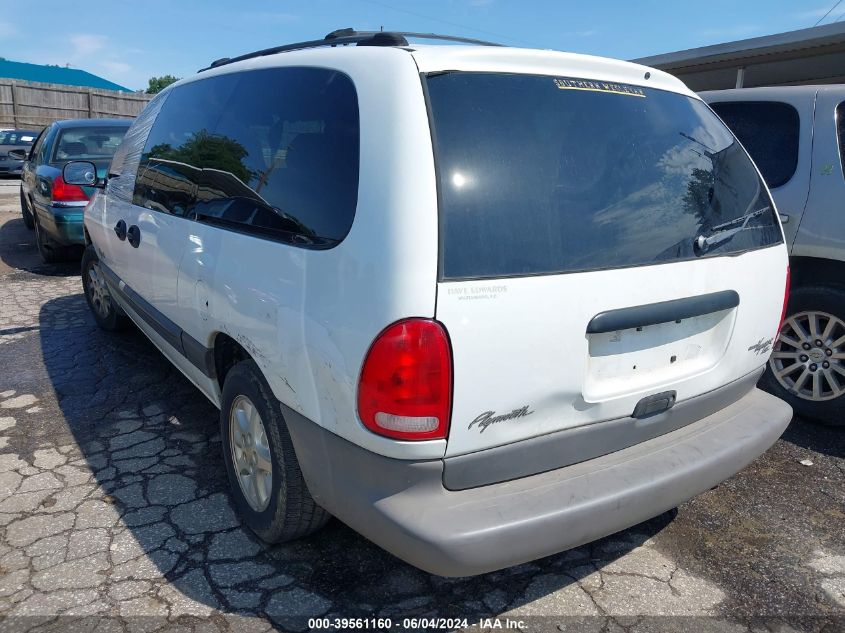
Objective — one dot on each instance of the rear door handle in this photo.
(662, 312)
(134, 236)
(120, 230)
(784, 218)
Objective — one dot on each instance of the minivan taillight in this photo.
(63, 192)
(405, 390)
(785, 302)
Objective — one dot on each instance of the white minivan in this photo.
(482, 304)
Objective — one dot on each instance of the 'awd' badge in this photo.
(761, 347)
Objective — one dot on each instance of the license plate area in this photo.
(646, 358)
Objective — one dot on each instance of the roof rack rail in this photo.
(343, 37)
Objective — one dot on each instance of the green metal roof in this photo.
(55, 75)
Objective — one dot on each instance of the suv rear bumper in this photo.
(404, 507)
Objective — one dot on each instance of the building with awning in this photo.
(807, 56)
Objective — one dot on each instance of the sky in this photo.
(130, 41)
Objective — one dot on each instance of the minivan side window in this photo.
(840, 133)
(769, 130)
(128, 154)
(283, 168)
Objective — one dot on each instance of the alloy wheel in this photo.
(808, 359)
(250, 453)
(97, 290)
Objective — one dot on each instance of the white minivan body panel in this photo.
(308, 317)
(528, 61)
(525, 364)
(521, 344)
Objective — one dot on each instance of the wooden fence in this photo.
(25, 104)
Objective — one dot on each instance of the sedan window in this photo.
(88, 143)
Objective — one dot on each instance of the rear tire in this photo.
(28, 220)
(277, 507)
(50, 252)
(815, 392)
(107, 315)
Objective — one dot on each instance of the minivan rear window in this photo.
(541, 175)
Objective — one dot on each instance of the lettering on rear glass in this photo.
(568, 83)
(489, 417)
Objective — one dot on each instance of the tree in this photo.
(205, 150)
(157, 84)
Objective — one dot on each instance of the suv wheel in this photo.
(107, 315)
(28, 220)
(807, 365)
(264, 475)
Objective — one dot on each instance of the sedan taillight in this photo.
(63, 192)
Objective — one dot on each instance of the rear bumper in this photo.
(64, 224)
(404, 507)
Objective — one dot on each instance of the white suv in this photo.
(482, 304)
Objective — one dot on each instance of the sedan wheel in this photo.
(28, 220)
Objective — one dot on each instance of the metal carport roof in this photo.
(808, 56)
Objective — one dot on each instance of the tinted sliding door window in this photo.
(840, 133)
(176, 149)
(273, 153)
(769, 130)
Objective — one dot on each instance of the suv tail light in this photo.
(405, 390)
(63, 192)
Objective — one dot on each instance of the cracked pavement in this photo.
(115, 514)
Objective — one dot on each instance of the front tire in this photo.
(28, 220)
(267, 485)
(807, 365)
(107, 315)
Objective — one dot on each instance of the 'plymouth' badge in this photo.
(489, 417)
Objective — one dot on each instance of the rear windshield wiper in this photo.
(721, 233)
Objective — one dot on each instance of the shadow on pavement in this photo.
(151, 440)
(828, 440)
(19, 252)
